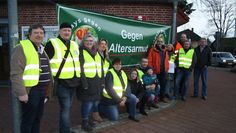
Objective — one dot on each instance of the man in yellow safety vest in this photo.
(31, 78)
(185, 61)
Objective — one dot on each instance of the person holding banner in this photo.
(117, 93)
(91, 73)
(158, 59)
(31, 78)
(65, 65)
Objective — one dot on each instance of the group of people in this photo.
(64, 68)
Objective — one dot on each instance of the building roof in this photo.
(190, 34)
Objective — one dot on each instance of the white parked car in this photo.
(223, 59)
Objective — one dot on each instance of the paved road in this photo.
(216, 115)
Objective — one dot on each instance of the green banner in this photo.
(128, 39)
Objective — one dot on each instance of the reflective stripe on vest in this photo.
(91, 66)
(117, 86)
(31, 71)
(140, 75)
(106, 66)
(68, 69)
(185, 59)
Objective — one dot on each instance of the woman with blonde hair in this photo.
(170, 75)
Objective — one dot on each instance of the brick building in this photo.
(44, 12)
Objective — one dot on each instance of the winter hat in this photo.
(148, 67)
(65, 25)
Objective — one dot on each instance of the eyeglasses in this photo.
(88, 40)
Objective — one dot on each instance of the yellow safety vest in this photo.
(31, 71)
(140, 75)
(172, 59)
(72, 64)
(91, 66)
(106, 66)
(185, 59)
(117, 86)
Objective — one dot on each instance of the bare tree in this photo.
(221, 14)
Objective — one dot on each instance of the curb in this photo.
(123, 118)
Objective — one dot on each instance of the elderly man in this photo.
(65, 65)
(204, 56)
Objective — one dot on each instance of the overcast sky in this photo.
(199, 21)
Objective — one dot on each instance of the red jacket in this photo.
(177, 47)
(154, 60)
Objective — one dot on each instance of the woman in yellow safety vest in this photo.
(117, 93)
(91, 72)
(103, 52)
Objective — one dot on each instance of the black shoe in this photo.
(86, 126)
(143, 113)
(92, 123)
(183, 99)
(204, 98)
(133, 119)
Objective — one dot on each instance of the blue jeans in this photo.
(112, 113)
(203, 73)
(87, 107)
(182, 75)
(152, 94)
(32, 112)
(170, 85)
(95, 106)
(65, 98)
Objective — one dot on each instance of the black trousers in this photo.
(32, 112)
(162, 80)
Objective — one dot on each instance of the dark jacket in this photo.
(90, 88)
(204, 57)
(137, 88)
(109, 88)
(49, 49)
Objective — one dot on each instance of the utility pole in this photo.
(13, 40)
(175, 5)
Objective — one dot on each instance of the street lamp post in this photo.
(13, 40)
